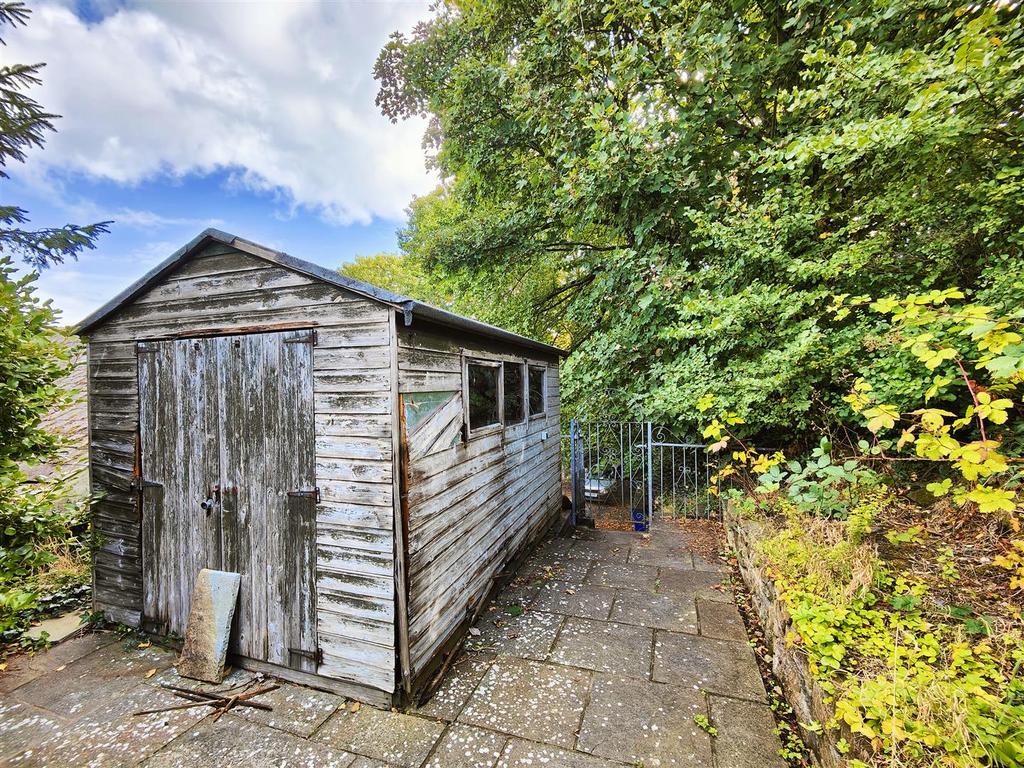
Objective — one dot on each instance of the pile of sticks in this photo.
(218, 701)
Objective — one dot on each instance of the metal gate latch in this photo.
(316, 656)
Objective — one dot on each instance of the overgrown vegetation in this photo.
(702, 178)
(42, 562)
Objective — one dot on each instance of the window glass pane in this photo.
(483, 395)
(536, 391)
(514, 412)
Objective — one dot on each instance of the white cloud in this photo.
(280, 94)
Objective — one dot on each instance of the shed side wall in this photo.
(228, 291)
(471, 507)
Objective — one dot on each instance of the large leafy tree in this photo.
(34, 351)
(703, 177)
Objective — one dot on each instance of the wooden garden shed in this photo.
(368, 463)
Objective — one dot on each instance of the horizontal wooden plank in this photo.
(363, 425)
(354, 470)
(355, 537)
(370, 380)
(334, 403)
(355, 515)
(348, 560)
(350, 358)
(366, 448)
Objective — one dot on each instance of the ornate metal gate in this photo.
(632, 473)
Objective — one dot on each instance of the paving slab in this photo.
(640, 722)
(460, 682)
(232, 742)
(604, 647)
(94, 681)
(705, 564)
(297, 710)
(705, 584)
(540, 702)
(721, 620)
(674, 612)
(393, 737)
(673, 554)
(112, 734)
(235, 680)
(466, 746)
(641, 577)
(746, 735)
(527, 754)
(528, 635)
(519, 592)
(538, 571)
(705, 663)
(602, 550)
(588, 601)
(57, 628)
(23, 726)
(25, 667)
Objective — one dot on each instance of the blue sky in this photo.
(171, 125)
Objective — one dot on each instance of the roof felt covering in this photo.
(410, 308)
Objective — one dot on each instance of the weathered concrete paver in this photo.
(720, 620)
(392, 737)
(529, 634)
(462, 679)
(704, 584)
(466, 746)
(715, 666)
(636, 721)
(540, 702)
(232, 742)
(297, 709)
(675, 612)
(746, 736)
(526, 754)
(605, 647)
(597, 655)
(587, 601)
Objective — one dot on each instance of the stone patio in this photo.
(598, 655)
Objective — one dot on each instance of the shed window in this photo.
(483, 395)
(536, 391)
(514, 386)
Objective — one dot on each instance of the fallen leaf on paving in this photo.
(3, 666)
(570, 591)
(60, 668)
(354, 706)
(145, 644)
(474, 632)
(150, 673)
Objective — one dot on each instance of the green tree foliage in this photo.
(512, 298)
(34, 352)
(703, 178)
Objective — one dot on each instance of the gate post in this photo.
(576, 471)
(650, 475)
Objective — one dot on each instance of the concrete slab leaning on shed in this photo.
(412, 511)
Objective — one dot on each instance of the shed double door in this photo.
(228, 420)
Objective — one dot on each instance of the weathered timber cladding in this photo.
(327, 418)
(474, 505)
(222, 290)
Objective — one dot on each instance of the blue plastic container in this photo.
(639, 521)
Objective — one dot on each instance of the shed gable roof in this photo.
(409, 307)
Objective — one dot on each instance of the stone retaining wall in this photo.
(789, 663)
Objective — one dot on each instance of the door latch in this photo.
(212, 499)
(312, 493)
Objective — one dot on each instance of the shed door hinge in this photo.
(316, 656)
(312, 493)
(303, 337)
(142, 347)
